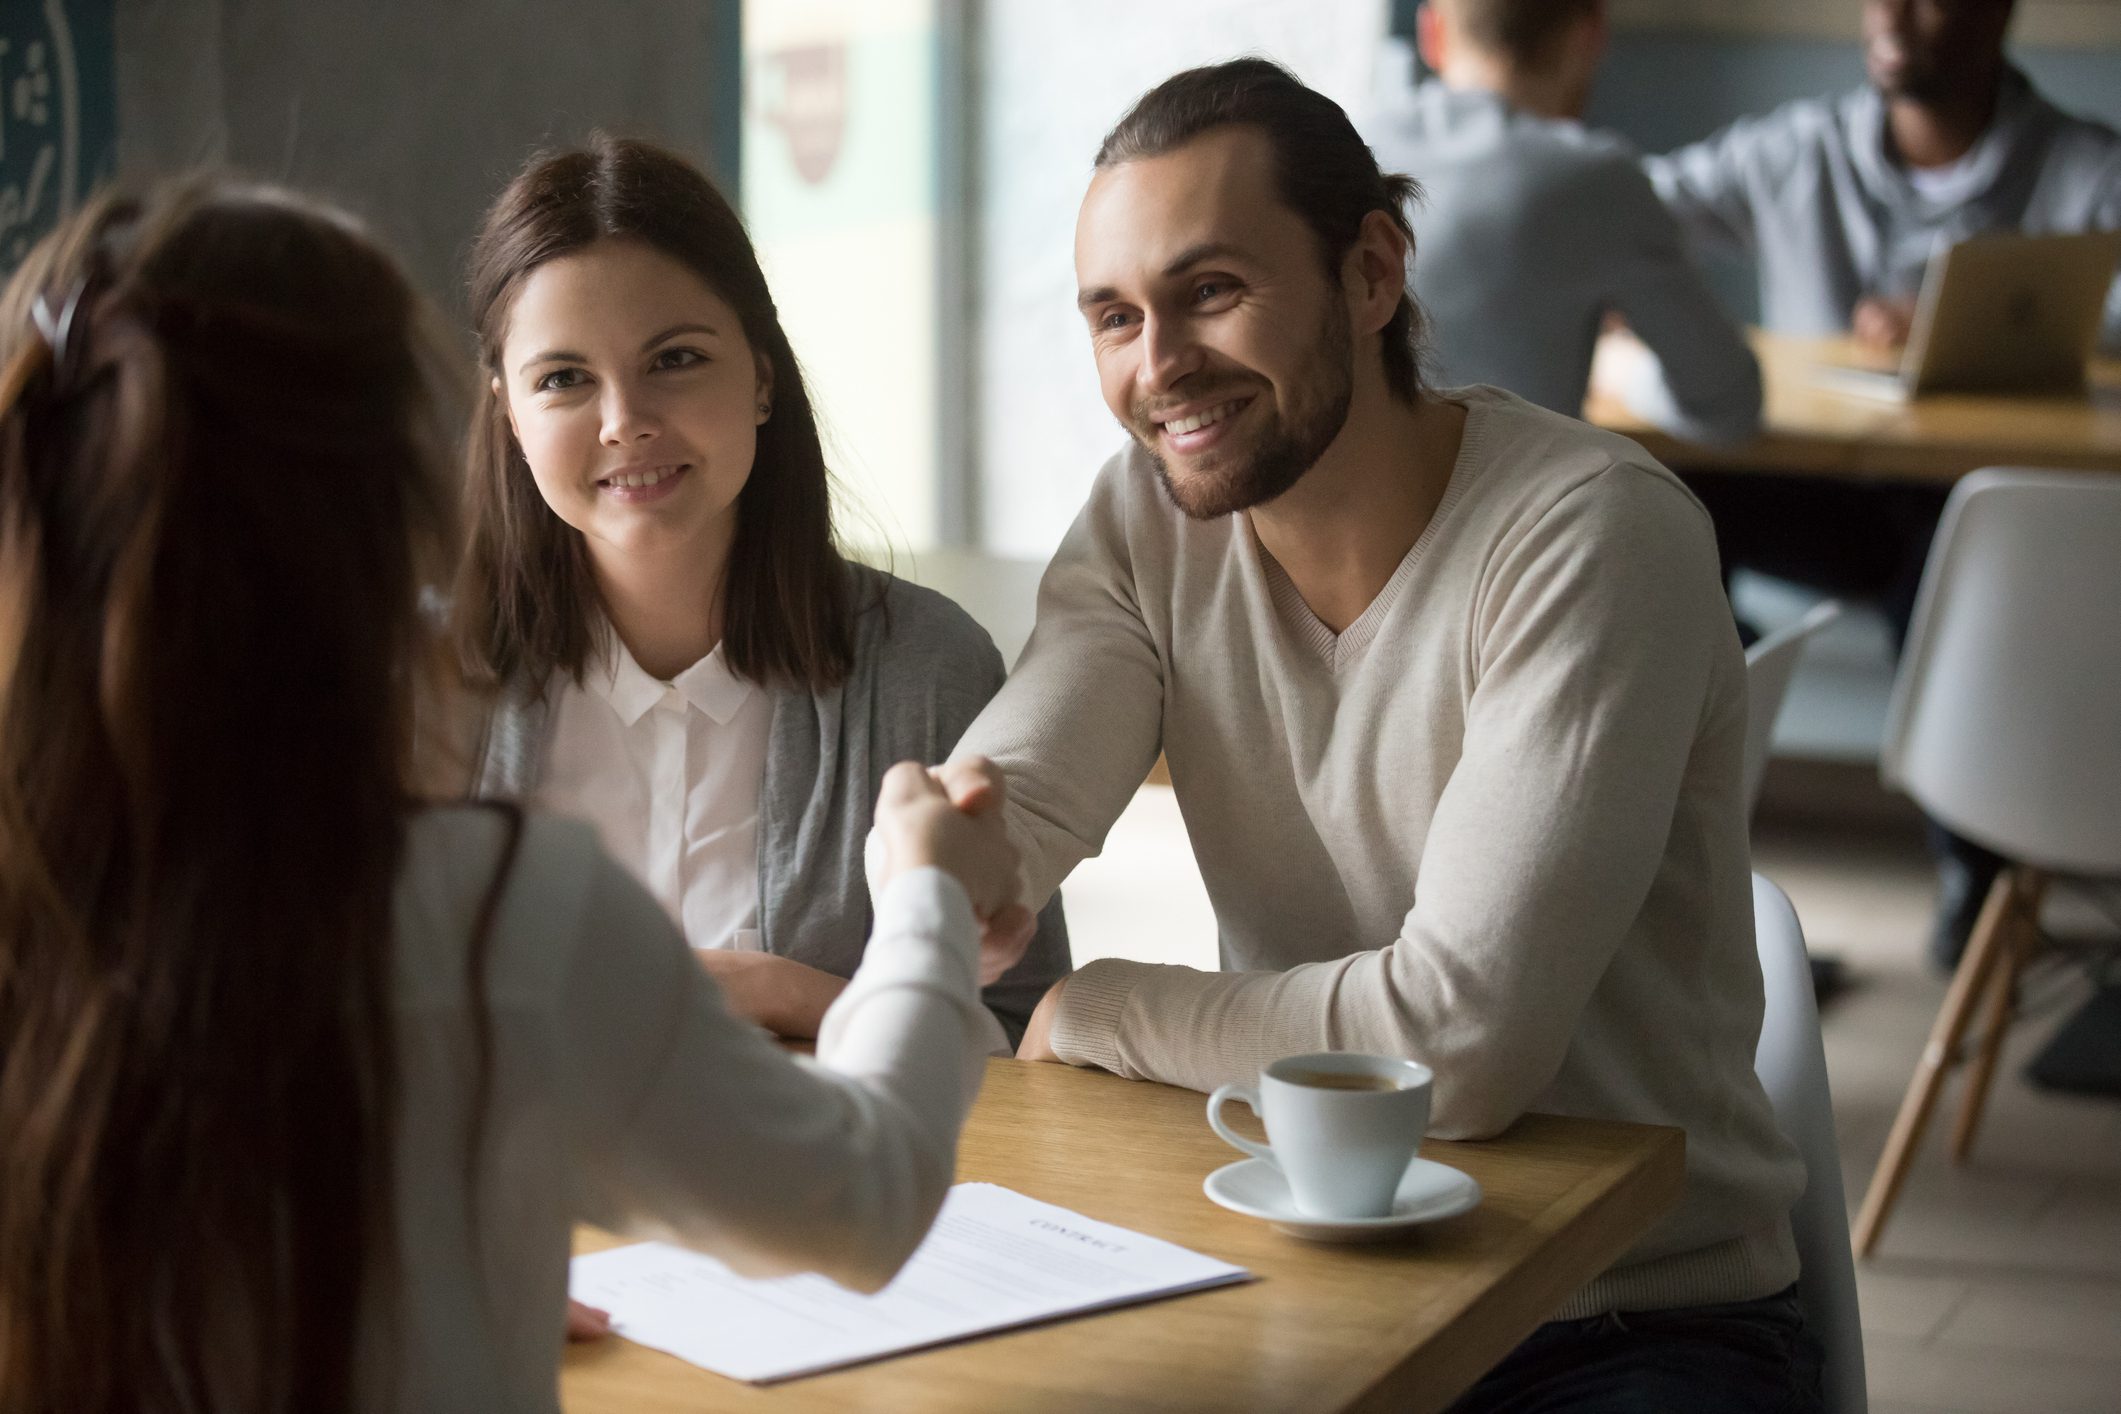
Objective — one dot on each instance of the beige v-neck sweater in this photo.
(1495, 825)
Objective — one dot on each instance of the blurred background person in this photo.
(1841, 203)
(1535, 230)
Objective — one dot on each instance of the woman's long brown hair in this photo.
(526, 599)
(217, 498)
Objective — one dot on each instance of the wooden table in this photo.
(1403, 1326)
(1812, 430)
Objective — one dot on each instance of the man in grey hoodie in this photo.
(1536, 229)
(1841, 202)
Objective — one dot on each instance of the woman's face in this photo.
(635, 397)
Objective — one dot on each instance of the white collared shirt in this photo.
(669, 774)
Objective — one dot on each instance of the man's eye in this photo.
(559, 379)
(679, 358)
(1114, 319)
(1210, 289)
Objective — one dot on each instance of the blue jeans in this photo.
(1746, 1357)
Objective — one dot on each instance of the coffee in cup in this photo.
(1343, 1080)
(1341, 1126)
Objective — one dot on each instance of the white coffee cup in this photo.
(1342, 1127)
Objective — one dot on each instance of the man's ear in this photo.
(1598, 32)
(1431, 38)
(1375, 272)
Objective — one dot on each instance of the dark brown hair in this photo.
(1323, 170)
(526, 596)
(1527, 33)
(218, 495)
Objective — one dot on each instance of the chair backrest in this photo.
(2005, 722)
(1791, 1064)
(1769, 666)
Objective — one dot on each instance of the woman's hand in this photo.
(786, 997)
(587, 1322)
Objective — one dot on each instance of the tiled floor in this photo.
(1997, 1287)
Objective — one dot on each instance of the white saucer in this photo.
(1429, 1192)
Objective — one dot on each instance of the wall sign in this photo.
(57, 114)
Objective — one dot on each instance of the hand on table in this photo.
(951, 817)
(1037, 1044)
(786, 997)
(587, 1322)
(1882, 323)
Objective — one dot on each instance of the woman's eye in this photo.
(679, 358)
(558, 380)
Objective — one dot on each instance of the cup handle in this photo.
(1250, 1098)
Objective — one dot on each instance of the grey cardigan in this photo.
(922, 671)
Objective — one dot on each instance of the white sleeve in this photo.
(694, 1125)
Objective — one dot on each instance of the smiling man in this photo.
(1452, 705)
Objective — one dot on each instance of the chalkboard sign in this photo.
(58, 114)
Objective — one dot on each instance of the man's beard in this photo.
(1287, 450)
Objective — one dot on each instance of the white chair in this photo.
(1769, 666)
(1791, 1063)
(2005, 726)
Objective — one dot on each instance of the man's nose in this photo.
(1169, 354)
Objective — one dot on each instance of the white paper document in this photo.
(994, 1259)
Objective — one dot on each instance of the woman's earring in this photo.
(765, 411)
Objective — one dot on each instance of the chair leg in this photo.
(1982, 950)
(2021, 939)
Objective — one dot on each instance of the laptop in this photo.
(2002, 313)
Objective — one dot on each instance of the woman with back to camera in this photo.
(302, 1084)
(675, 648)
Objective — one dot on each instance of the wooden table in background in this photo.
(1812, 430)
(1404, 1326)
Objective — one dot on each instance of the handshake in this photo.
(950, 818)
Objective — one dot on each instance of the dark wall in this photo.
(413, 112)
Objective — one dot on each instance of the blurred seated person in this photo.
(1841, 202)
(1535, 229)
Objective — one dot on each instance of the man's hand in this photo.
(918, 822)
(786, 997)
(1038, 1035)
(1882, 323)
(976, 786)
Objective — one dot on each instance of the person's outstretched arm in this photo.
(694, 1125)
(1700, 379)
(1078, 725)
(1708, 186)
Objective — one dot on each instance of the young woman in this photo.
(678, 652)
(302, 1085)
